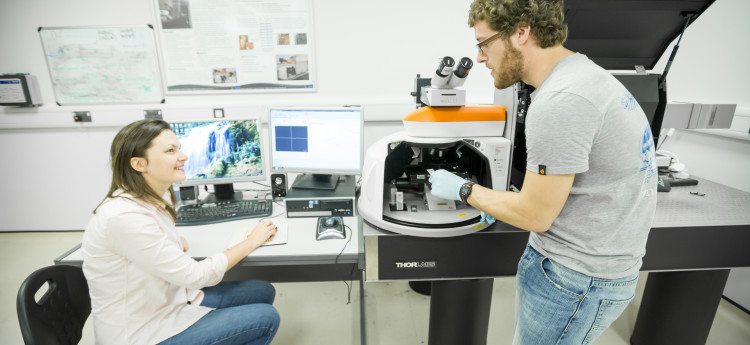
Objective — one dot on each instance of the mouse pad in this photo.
(279, 238)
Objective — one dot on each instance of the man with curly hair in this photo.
(589, 192)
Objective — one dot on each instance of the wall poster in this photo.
(103, 65)
(236, 45)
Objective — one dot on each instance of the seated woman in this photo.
(144, 288)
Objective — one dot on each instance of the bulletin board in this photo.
(103, 65)
(235, 46)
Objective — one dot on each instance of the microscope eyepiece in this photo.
(446, 66)
(463, 67)
(443, 74)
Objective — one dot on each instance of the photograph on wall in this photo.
(225, 76)
(292, 67)
(245, 43)
(300, 39)
(283, 39)
(235, 45)
(174, 14)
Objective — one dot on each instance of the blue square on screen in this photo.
(299, 132)
(283, 144)
(299, 145)
(283, 131)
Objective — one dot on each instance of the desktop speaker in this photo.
(188, 193)
(278, 185)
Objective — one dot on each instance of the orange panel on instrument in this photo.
(455, 114)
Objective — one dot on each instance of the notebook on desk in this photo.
(279, 238)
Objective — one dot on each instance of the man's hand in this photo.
(534, 208)
(487, 218)
(446, 185)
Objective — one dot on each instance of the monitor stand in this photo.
(223, 192)
(316, 181)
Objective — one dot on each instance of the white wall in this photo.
(713, 155)
(711, 64)
(368, 53)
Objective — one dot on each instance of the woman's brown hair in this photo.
(132, 141)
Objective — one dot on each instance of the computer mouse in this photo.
(329, 234)
(330, 222)
(330, 228)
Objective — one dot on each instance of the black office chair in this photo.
(58, 317)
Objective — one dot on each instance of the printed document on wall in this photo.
(103, 64)
(236, 45)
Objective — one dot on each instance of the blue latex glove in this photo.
(487, 218)
(446, 185)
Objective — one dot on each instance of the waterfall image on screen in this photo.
(220, 149)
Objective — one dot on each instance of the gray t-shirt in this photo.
(583, 121)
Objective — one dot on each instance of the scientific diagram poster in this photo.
(236, 45)
(102, 65)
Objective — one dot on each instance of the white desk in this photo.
(301, 246)
(301, 249)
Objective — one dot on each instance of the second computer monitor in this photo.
(322, 143)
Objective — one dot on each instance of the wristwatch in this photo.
(465, 190)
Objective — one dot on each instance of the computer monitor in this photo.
(322, 143)
(221, 152)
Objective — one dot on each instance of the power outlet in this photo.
(152, 114)
(82, 116)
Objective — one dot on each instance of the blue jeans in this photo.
(557, 305)
(243, 316)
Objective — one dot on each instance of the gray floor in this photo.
(318, 313)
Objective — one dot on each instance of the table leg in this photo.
(460, 311)
(362, 321)
(679, 307)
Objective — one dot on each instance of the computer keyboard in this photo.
(223, 211)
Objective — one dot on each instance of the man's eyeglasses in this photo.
(484, 43)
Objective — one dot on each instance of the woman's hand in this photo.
(185, 245)
(262, 233)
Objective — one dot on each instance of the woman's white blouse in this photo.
(143, 287)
